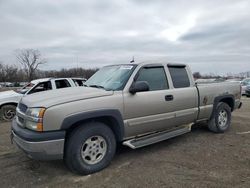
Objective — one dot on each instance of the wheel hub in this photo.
(94, 149)
(222, 118)
(9, 114)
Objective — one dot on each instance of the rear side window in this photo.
(78, 82)
(155, 77)
(62, 84)
(179, 77)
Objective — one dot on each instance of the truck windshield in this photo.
(111, 77)
(25, 88)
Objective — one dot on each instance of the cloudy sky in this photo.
(211, 36)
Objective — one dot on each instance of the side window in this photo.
(62, 84)
(179, 77)
(155, 76)
(43, 86)
(78, 82)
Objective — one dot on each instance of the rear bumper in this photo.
(39, 146)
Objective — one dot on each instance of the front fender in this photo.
(115, 115)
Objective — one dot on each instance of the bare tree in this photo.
(30, 60)
(8, 73)
(2, 72)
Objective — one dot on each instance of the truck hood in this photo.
(60, 96)
(8, 94)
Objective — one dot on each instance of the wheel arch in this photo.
(112, 118)
(8, 103)
(228, 99)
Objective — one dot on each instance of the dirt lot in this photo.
(197, 159)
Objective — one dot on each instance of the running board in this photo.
(156, 137)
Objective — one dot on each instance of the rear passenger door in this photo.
(185, 95)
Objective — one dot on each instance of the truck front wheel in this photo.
(8, 112)
(90, 148)
(221, 120)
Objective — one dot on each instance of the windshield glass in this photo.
(246, 82)
(25, 88)
(111, 77)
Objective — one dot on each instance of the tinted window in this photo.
(179, 77)
(43, 86)
(62, 84)
(78, 82)
(155, 76)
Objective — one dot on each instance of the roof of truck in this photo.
(40, 80)
(48, 79)
(156, 63)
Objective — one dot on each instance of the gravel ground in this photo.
(196, 159)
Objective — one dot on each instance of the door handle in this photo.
(169, 97)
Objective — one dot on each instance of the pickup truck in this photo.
(9, 99)
(130, 104)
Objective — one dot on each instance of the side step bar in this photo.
(156, 137)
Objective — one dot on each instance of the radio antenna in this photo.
(133, 60)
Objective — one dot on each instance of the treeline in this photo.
(13, 73)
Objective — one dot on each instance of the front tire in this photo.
(8, 112)
(221, 120)
(90, 148)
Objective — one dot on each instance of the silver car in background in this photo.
(244, 84)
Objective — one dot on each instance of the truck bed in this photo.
(208, 92)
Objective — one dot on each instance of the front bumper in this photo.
(39, 146)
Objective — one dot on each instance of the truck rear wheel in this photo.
(8, 112)
(221, 120)
(90, 148)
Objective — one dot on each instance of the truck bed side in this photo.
(211, 94)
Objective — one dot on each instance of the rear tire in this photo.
(90, 148)
(221, 120)
(8, 112)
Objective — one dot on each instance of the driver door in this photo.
(152, 110)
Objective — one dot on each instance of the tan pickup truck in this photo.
(132, 104)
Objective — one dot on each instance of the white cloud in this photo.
(198, 32)
(174, 32)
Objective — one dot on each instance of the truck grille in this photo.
(20, 120)
(22, 107)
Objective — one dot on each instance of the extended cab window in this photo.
(43, 86)
(62, 84)
(154, 76)
(179, 77)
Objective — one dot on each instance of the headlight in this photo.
(34, 119)
(35, 112)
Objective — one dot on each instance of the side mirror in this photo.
(139, 86)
